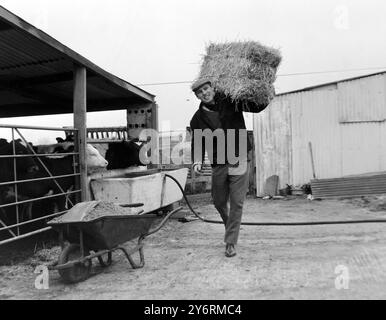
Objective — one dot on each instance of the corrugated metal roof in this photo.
(36, 75)
(331, 83)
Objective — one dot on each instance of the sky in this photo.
(152, 41)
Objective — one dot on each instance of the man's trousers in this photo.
(230, 184)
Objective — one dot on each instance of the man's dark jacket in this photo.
(230, 116)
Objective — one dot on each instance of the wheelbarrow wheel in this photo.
(77, 272)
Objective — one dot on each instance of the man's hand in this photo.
(197, 166)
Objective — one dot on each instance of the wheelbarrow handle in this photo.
(161, 223)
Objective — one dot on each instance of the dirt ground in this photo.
(186, 260)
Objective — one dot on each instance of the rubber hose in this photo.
(299, 223)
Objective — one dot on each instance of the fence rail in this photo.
(16, 216)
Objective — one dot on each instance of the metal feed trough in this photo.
(92, 237)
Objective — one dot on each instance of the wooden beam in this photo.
(4, 26)
(80, 123)
(120, 103)
(44, 108)
(34, 81)
(32, 109)
(38, 96)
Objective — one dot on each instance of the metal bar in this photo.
(104, 140)
(104, 129)
(35, 127)
(33, 220)
(108, 262)
(41, 162)
(25, 235)
(39, 179)
(15, 178)
(128, 254)
(37, 199)
(81, 260)
(41, 155)
(7, 228)
(81, 244)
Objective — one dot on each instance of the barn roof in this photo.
(36, 75)
(331, 83)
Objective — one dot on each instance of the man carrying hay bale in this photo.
(234, 78)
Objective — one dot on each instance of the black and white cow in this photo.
(123, 155)
(25, 166)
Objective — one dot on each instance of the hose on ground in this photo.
(295, 223)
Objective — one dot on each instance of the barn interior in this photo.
(37, 75)
(41, 76)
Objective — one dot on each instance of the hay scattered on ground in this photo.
(243, 71)
(44, 256)
(372, 203)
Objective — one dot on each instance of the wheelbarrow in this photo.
(98, 237)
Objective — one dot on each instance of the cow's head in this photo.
(23, 164)
(94, 159)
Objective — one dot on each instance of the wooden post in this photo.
(193, 180)
(154, 116)
(154, 125)
(80, 109)
(312, 160)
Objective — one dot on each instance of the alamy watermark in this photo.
(222, 146)
(343, 277)
(43, 278)
(341, 17)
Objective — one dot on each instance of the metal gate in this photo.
(17, 218)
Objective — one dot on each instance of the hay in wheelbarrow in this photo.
(104, 224)
(242, 71)
(92, 210)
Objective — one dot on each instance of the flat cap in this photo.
(199, 83)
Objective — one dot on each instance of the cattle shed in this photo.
(342, 122)
(41, 76)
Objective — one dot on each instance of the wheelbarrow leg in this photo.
(138, 248)
(108, 262)
(132, 262)
(61, 238)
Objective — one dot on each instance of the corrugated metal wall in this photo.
(313, 116)
(362, 99)
(345, 124)
(272, 136)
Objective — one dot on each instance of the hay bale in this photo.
(242, 71)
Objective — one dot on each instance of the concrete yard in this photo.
(186, 260)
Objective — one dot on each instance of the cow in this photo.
(123, 155)
(62, 145)
(59, 165)
(94, 159)
(31, 168)
(25, 166)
